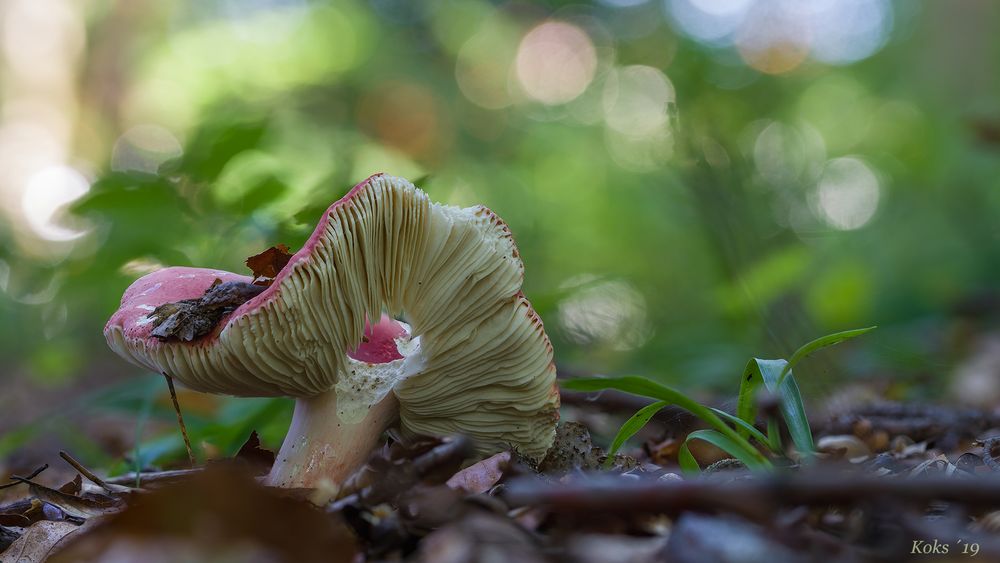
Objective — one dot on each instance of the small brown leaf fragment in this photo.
(79, 506)
(266, 265)
(662, 452)
(481, 476)
(251, 453)
(73, 487)
(39, 511)
(13, 519)
(189, 319)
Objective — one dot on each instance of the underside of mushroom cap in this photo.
(480, 362)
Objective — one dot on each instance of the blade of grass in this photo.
(753, 432)
(774, 435)
(647, 388)
(722, 442)
(630, 427)
(766, 372)
(689, 465)
(818, 344)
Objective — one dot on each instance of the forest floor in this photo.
(891, 482)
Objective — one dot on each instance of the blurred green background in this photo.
(690, 182)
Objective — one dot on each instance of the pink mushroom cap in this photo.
(477, 360)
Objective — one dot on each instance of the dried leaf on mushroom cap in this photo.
(266, 265)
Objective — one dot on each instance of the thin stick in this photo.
(153, 478)
(756, 498)
(17, 480)
(180, 418)
(90, 474)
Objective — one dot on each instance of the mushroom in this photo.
(474, 358)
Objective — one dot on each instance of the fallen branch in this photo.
(757, 498)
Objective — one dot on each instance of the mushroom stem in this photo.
(321, 447)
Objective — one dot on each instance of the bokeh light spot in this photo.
(483, 67)
(848, 193)
(710, 22)
(846, 31)
(41, 35)
(785, 153)
(636, 100)
(144, 148)
(555, 62)
(776, 36)
(610, 313)
(48, 192)
(772, 41)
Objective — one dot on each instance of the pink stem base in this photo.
(320, 449)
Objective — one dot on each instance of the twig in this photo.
(17, 479)
(180, 418)
(152, 478)
(757, 497)
(368, 486)
(116, 489)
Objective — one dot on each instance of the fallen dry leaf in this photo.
(7, 537)
(218, 514)
(86, 506)
(266, 265)
(480, 536)
(481, 476)
(600, 548)
(251, 453)
(39, 542)
(73, 487)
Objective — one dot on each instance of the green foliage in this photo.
(774, 375)
(746, 427)
(723, 442)
(646, 388)
(630, 427)
(818, 344)
(766, 372)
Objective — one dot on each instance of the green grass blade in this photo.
(630, 427)
(767, 373)
(646, 388)
(724, 443)
(689, 465)
(820, 343)
(774, 435)
(746, 405)
(744, 425)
